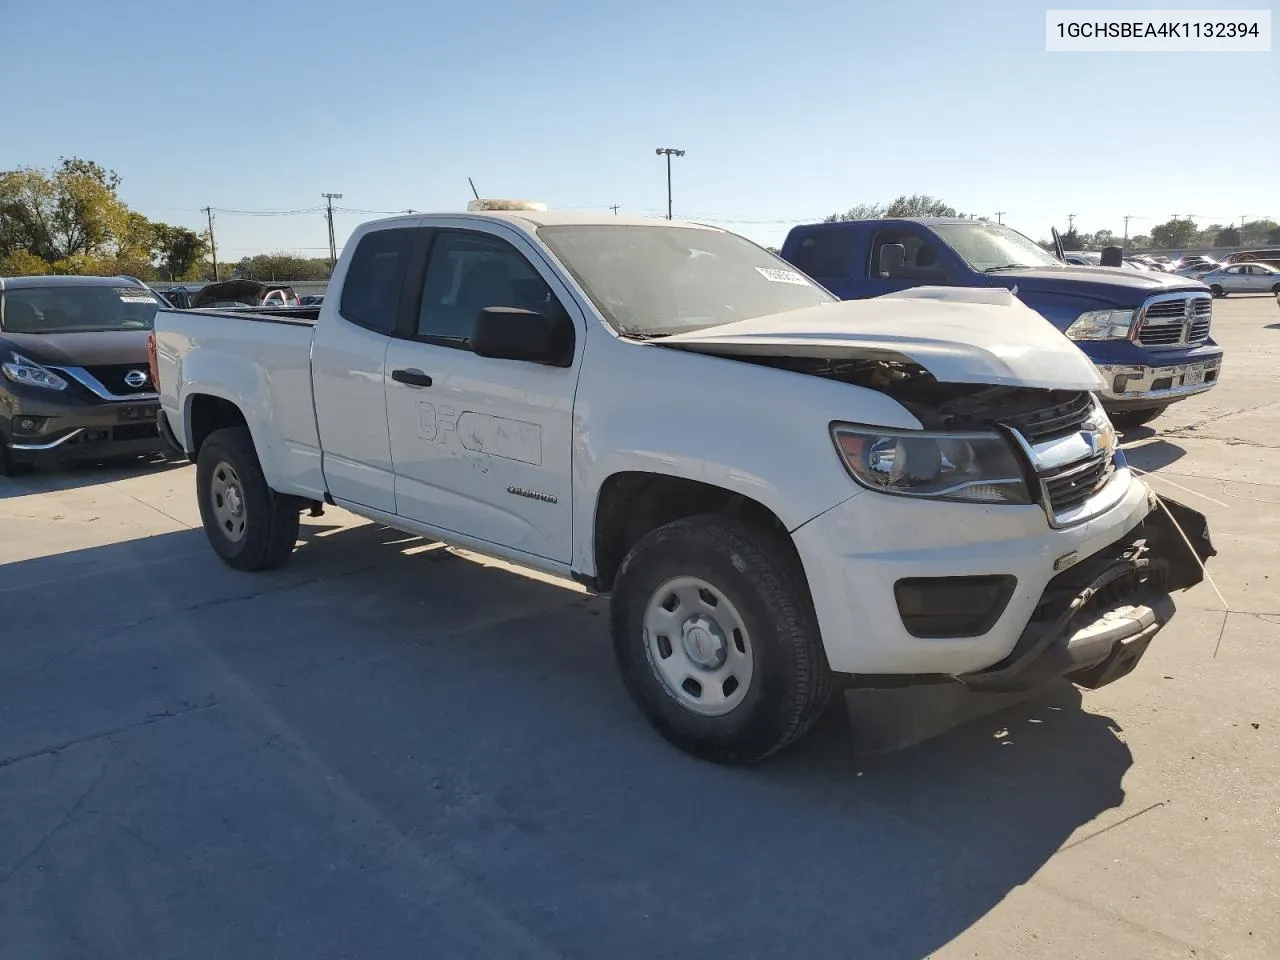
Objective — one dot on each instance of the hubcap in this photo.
(697, 645)
(226, 496)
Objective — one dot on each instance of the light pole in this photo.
(669, 152)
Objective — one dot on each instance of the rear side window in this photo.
(375, 278)
(825, 253)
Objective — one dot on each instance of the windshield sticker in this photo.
(782, 276)
(133, 296)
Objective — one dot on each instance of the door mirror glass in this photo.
(892, 256)
(513, 333)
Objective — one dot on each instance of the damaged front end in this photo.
(1096, 619)
(1094, 622)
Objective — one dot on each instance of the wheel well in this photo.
(632, 504)
(209, 414)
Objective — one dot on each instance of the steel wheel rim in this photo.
(698, 646)
(226, 498)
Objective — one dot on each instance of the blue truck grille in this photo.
(1176, 321)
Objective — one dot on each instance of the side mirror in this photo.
(1112, 257)
(510, 333)
(892, 256)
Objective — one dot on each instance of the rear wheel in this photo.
(715, 637)
(1135, 418)
(249, 525)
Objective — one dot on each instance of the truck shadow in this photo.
(73, 476)
(1151, 454)
(447, 744)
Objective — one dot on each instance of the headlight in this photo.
(1102, 325)
(975, 467)
(30, 374)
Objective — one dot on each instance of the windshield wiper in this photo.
(1008, 266)
(645, 336)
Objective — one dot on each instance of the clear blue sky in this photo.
(788, 112)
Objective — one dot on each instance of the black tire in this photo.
(270, 520)
(1128, 419)
(1217, 291)
(1276, 289)
(790, 683)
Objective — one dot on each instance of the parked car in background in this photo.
(1148, 333)
(1271, 257)
(76, 383)
(250, 293)
(919, 489)
(1241, 278)
(311, 301)
(1189, 267)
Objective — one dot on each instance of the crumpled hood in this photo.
(81, 349)
(958, 334)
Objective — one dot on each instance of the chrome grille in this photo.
(1175, 320)
(1056, 421)
(1071, 486)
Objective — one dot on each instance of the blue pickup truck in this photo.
(1148, 333)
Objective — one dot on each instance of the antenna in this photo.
(474, 191)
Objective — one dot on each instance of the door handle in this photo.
(411, 377)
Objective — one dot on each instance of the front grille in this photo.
(1071, 486)
(1166, 323)
(112, 377)
(1059, 420)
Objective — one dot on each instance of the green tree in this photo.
(861, 211)
(178, 251)
(1174, 233)
(1071, 240)
(919, 205)
(1227, 237)
(1140, 242)
(282, 265)
(1258, 232)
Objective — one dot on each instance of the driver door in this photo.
(482, 446)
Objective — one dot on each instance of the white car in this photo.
(1242, 278)
(784, 493)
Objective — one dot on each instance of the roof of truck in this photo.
(526, 219)
(62, 280)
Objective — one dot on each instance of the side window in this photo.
(1237, 269)
(826, 253)
(371, 290)
(920, 262)
(469, 271)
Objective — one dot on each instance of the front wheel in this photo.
(715, 638)
(1127, 419)
(249, 525)
(1217, 291)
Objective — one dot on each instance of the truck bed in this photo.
(259, 358)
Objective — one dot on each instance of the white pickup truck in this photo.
(784, 493)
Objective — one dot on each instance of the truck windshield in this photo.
(77, 309)
(991, 246)
(652, 281)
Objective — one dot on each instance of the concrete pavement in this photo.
(391, 749)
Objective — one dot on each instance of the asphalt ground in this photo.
(393, 749)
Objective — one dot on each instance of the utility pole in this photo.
(669, 152)
(333, 247)
(1071, 222)
(614, 208)
(999, 216)
(1124, 246)
(213, 247)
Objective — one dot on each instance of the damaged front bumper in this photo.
(1096, 619)
(1094, 623)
